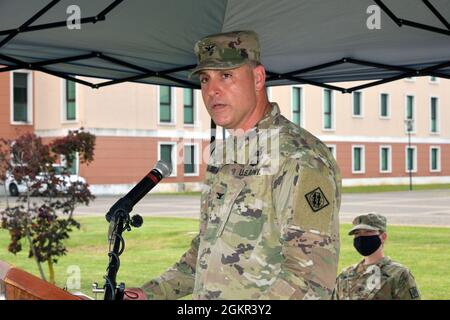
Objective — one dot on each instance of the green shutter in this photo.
(166, 153)
(434, 158)
(296, 105)
(384, 159)
(20, 81)
(434, 115)
(70, 100)
(165, 103)
(189, 160)
(356, 103)
(327, 109)
(410, 159)
(188, 96)
(357, 159)
(384, 105)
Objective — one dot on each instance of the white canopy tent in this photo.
(303, 41)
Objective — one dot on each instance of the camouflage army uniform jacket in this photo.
(266, 232)
(384, 280)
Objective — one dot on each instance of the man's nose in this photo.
(213, 87)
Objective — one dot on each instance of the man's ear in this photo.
(259, 74)
(383, 237)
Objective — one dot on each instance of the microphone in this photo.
(161, 170)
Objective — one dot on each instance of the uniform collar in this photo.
(381, 263)
(269, 117)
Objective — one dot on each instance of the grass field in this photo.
(161, 241)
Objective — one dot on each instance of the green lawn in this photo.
(161, 241)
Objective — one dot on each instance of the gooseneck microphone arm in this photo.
(119, 218)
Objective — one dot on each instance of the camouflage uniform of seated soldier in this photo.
(376, 277)
(266, 231)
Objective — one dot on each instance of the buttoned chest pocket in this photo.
(246, 217)
(220, 201)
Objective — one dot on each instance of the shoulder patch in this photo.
(316, 199)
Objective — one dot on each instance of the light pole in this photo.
(409, 127)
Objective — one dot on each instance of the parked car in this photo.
(15, 188)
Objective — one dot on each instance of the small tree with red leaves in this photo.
(47, 224)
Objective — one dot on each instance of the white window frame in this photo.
(64, 103)
(196, 157)
(173, 155)
(173, 109)
(414, 160)
(414, 112)
(302, 104)
(363, 159)
(389, 147)
(388, 106)
(362, 105)
(334, 152)
(333, 113)
(194, 109)
(438, 115)
(438, 159)
(29, 97)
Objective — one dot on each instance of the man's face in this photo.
(229, 95)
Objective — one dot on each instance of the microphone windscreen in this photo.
(164, 168)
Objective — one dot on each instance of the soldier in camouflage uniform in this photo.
(269, 226)
(376, 277)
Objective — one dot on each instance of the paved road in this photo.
(431, 207)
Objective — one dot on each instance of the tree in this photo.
(45, 225)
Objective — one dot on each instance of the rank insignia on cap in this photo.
(414, 293)
(316, 200)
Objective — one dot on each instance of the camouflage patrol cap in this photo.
(226, 50)
(369, 221)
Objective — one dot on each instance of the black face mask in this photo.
(366, 245)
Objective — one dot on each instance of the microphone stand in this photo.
(120, 221)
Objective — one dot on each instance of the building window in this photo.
(434, 79)
(357, 104)
(74, 163)
(411, 159)
(384, 105)
(358, 163)
(332, 149)
(435, 159)
(167, 154)
(190, 160)
(188, 107)
(297, 105)
(434, 110)
(328, 109)
(70, 96)
(165, 104)
(21, 97)
(385, 159)
(410, 111)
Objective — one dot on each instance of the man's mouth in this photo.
(218, 106)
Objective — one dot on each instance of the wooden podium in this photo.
(16, 284)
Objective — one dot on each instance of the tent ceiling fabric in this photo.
(139, 37)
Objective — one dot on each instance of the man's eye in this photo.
(226, 75)
(203, 80)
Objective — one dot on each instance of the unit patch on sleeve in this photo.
(316, 199)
